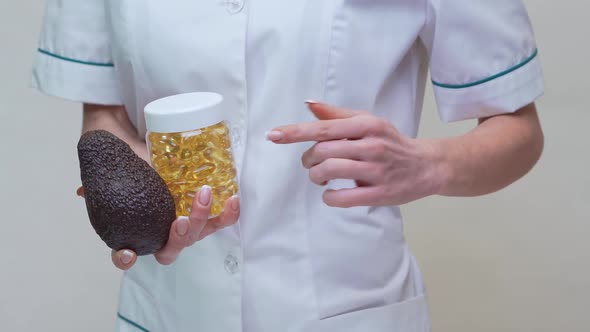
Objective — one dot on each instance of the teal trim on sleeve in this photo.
(132, 323)
(90, 63)
(485, 80)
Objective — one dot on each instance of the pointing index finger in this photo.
(319, 131)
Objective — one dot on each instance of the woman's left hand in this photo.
(388, 167)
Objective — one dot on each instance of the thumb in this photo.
(328, 112)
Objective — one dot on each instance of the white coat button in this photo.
(231, 264)
(235, 136)
(234, 6)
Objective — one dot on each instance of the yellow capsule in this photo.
(187, 161)
(186, 154)
(219, 131)
(203, 171)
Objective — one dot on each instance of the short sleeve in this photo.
(483, 57)
(74, 59)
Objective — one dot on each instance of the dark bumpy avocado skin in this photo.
(128, 203)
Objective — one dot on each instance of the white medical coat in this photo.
(291, 264)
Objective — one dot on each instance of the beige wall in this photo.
(518, 260)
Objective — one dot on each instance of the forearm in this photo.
(499, 151)
(115, 120)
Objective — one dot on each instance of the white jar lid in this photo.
(184, 112)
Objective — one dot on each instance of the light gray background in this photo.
(518, 260)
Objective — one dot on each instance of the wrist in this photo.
(140, 148)
(438, 170)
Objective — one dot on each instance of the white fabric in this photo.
(75, 81)
(291, 264)
(76, 30)
(472, 41)
(502, 95)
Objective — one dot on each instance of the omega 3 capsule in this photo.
(189, 145)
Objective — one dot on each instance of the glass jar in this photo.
(189, 145)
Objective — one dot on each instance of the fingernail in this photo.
(205, 195)
(126, 257)
(310, 101)
(274, 135)
(235, 202)
(182, 226)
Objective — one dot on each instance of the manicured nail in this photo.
(235, 202)
(205, 195)
(311, 101)
(126, 257)
(182, 226)
(274, 135)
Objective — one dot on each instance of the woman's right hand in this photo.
(184, 231)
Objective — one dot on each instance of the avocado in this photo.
(128, 203)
